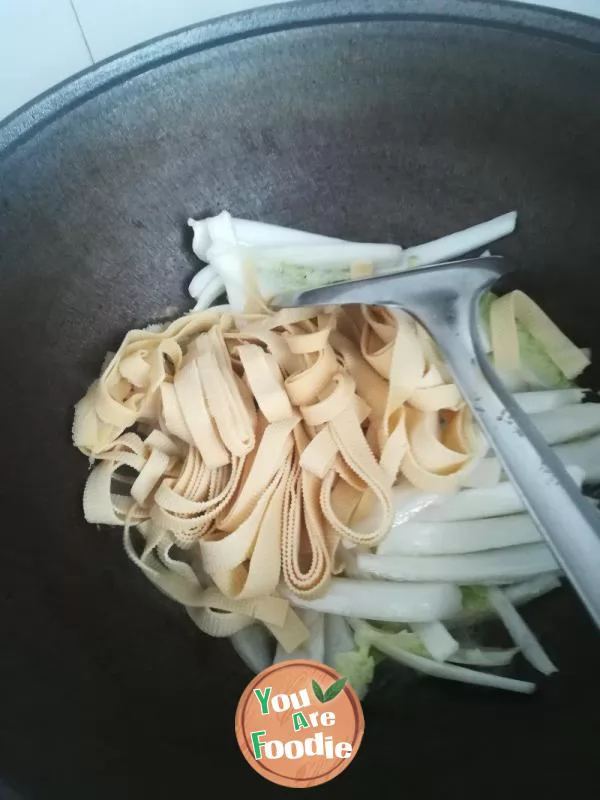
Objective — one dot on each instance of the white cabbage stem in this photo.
(524, 592)
(254, 645)
(409, 503)
(384, 601)
(252, 234)
(581, 454)
(493, 567)
(568, 423)
(201, 280)
(584, 454)
(484, 656)
(338, 638)
(206, 291)
(486, 472)
(284, 258)
(229, 261)
(520, 632)
(329, 256)
(518, 593)
(385, 643)
(470, 521)
(537, 402)
(569, 429)
(457, 244)
(465, 536)
(438, 641)
(469, 504)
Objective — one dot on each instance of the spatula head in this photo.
(411, 290)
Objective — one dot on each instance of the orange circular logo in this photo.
(299, 723)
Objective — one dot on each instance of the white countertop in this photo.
(42, 42)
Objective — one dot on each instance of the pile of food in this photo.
(309, 481)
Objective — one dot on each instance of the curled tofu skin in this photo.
(245, 453)
(258, 443)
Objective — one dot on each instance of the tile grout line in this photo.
(80, 26)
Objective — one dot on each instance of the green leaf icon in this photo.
(318, 692)
(334, 689)
(331, 693)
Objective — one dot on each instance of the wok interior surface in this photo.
(400, 122)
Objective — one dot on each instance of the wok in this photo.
(392, 121)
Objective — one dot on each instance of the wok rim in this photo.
(569, 28)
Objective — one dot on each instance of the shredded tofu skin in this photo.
(256, 460)
(231, 424)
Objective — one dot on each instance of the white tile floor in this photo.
(42, 42)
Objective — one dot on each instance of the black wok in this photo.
(392, 121)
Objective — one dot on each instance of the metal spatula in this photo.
(445, 299)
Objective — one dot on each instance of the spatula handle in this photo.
(569, 522)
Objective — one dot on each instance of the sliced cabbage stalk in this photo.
(476, 604)
(469, 504)
(289, 259)
(520, 632)
(410, 503)
(403, 637)
(347, 557)
(381, 600)
(338, 637)
(254, 645)
(232, 264)
(226, 257)
(575, 450)
(457, 244)
(201, 280)
(281, 268)
(206, 287)
(584, 454)
(278, 269)
(524, 592)
(366, 634)
(537, 402)
(438, 641)
(517, 382)
(466, 536)
(486, 472)
(286, 260)
(328, 256)
(492, 567)
(491, 657)
(567, 423)
(250, 233)
(260, 234)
